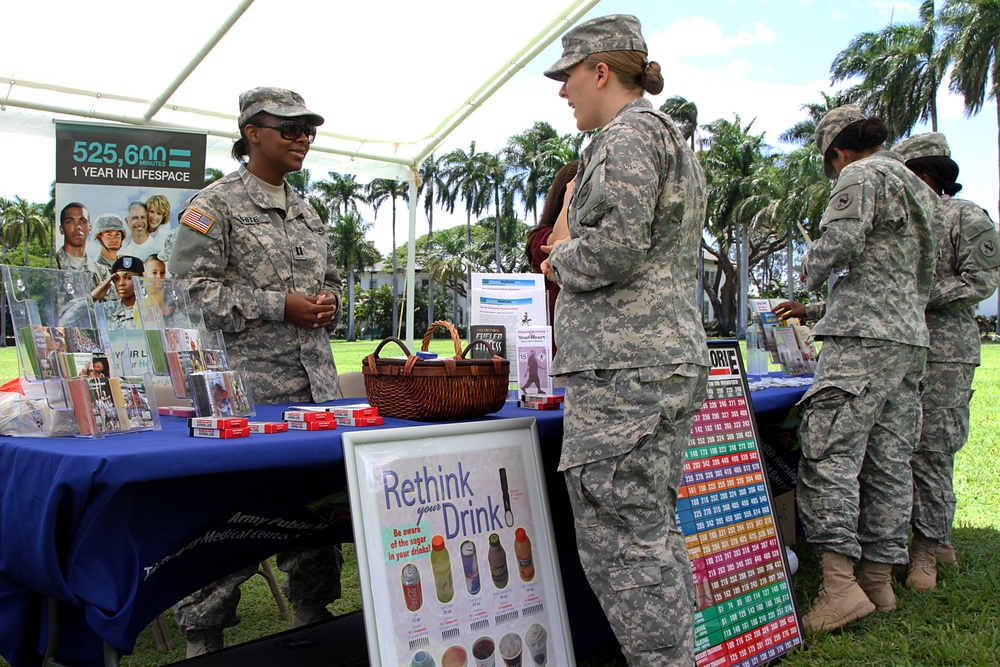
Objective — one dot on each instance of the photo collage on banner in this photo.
(743, 590)
(142, 177)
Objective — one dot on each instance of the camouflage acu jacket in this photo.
(628, 273)
(880, 236)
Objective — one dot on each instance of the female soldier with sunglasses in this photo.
(259, 265)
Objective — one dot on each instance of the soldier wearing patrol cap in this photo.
(880, 235)
(966, 274)
(109, 232)
(632, 348)
(260, 266)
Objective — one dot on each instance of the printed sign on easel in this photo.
(455, 548)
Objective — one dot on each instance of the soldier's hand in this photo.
(310, 312)
(787, 309)
(101, 291)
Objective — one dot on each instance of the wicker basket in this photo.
(436, 389)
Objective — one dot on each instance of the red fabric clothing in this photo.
(537, 257)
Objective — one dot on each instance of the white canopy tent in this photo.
(392, 78)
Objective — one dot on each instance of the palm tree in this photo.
(299, 180)
(341, 193)
(684, 113)
(434, 188)
(972, 40)
(741, 183)
(378, 191)
(23, 221)
(901, 69)
(354, 252)
(447, 263)
(467, 180)
(803, 132)
(495, 172)
(529, 155)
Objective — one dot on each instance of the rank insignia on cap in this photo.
(198, 221)
(127, 262)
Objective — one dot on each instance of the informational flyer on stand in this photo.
(509, 299)
(455, 549)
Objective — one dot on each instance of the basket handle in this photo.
(495, 357)
(451, 329)
(370, 359)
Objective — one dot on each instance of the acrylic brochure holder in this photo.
(65, 351)
(183, 353)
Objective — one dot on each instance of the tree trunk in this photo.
(395, 293)
(497, 202)
(350, 302)
(430, 283)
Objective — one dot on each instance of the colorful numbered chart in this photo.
(745, 606)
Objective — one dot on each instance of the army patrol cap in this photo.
(128, 263)
(832, 124)
(108, 222)
(931, 144)
(617, 32)
(277, 102)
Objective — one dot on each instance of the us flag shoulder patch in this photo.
(197, 220)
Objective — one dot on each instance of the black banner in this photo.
(111, 155)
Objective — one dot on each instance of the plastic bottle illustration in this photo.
(522, 552)
(470, 565)
(444, 585)
(422, 659)
(498, 562)
(412, 591)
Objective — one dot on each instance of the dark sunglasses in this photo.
(291, 130)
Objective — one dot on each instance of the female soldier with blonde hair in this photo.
(632, 347)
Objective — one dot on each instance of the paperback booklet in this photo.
(494, 334)
(136, 403)
(221, 394)
(534, 355)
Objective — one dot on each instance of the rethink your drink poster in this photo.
(461, 560)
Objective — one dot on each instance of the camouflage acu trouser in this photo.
(313, 578)
(947, 391)
(859, 426)
(624, 504)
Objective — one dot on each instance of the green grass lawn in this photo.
(959, 624)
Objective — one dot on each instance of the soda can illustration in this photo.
(470, 564)
(411, 587)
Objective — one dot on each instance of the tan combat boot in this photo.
(201, 642)
(945, 554)
(922, 575)
(875, 580)
(840, 600)
(307, 614)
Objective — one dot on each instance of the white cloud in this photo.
(699, 36)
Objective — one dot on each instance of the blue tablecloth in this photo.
(120, 528)
(775, 398)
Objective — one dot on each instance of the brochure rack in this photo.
(179, 347)
(64, 348)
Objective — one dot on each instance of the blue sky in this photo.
(760, 59)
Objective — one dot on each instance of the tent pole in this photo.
(411, 260)
(212, 42)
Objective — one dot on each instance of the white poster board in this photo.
(512, 300)
(465, 486)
